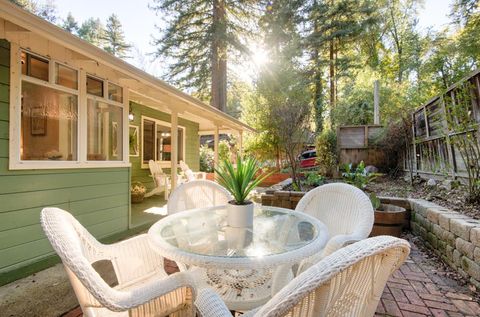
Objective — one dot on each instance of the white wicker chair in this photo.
(344, 209)
(144, 288)
(348, 282)
(197, 194)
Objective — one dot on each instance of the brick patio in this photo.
(422, 287)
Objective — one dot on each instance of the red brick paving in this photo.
(415, 290)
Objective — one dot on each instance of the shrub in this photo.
(223, 150)
(326, 146)
(358, 177)
(313, 179)
(392, 140)
(206, 159)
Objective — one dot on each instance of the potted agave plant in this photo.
(239, 180)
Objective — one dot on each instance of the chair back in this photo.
(78, 249)
(349, 282)
(183, 166)
(155, 168)
(197, 194)
(343, 208)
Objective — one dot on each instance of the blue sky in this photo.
(139, 21)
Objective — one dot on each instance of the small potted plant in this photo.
(239, 180)
(137, 192)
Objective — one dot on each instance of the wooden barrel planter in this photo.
(389, 220)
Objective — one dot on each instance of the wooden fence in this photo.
(431, 152)
(356, 144)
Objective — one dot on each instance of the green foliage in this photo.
(92, 31)
(359, 176)
(326, 146)
(45, 9)
(114, 38)
(223, 150)
(239, 180)
(70, 24)
(313, 179)
(194, 33)
(206, 159)
(375, 201)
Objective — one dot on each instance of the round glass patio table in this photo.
(238, 263)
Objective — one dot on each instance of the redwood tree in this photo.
(197, 38)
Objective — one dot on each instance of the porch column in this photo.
(215, 146)
(174, 149)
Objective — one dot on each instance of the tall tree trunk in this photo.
(219, 57)
(332, 79)
(318, 92)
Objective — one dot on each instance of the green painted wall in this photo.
(98, 198)
(192, 142)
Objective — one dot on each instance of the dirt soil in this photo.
(454, 199)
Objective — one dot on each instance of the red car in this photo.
(308, 159)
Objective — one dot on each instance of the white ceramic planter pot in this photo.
(238, 238)
(240, 216)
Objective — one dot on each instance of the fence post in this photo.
(414, 161)
(451, 160)
(365, 141)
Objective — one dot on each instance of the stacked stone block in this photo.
(453, 236)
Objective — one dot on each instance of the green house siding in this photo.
(98, 198)
(192, 142)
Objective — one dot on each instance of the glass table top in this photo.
(205, 233)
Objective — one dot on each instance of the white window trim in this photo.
(16, 77)
(163, 164)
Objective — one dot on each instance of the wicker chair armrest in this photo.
(140, 294)
(335, 243)
(209, 304)
(281, 277)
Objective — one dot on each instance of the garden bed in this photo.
(454, 199)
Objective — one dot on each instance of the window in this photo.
(115, 92)
(66, 76)
(48, 124)
(104, 121)
(34, 66)
(56, 125)
(157, 141)
(94, 86)
(105, 130)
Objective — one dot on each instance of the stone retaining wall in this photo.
(282, 198)
(455, 237)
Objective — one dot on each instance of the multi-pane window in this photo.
(49, 114)
(105, 130)
(49, 119)
(104, 121)
(157, 141)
